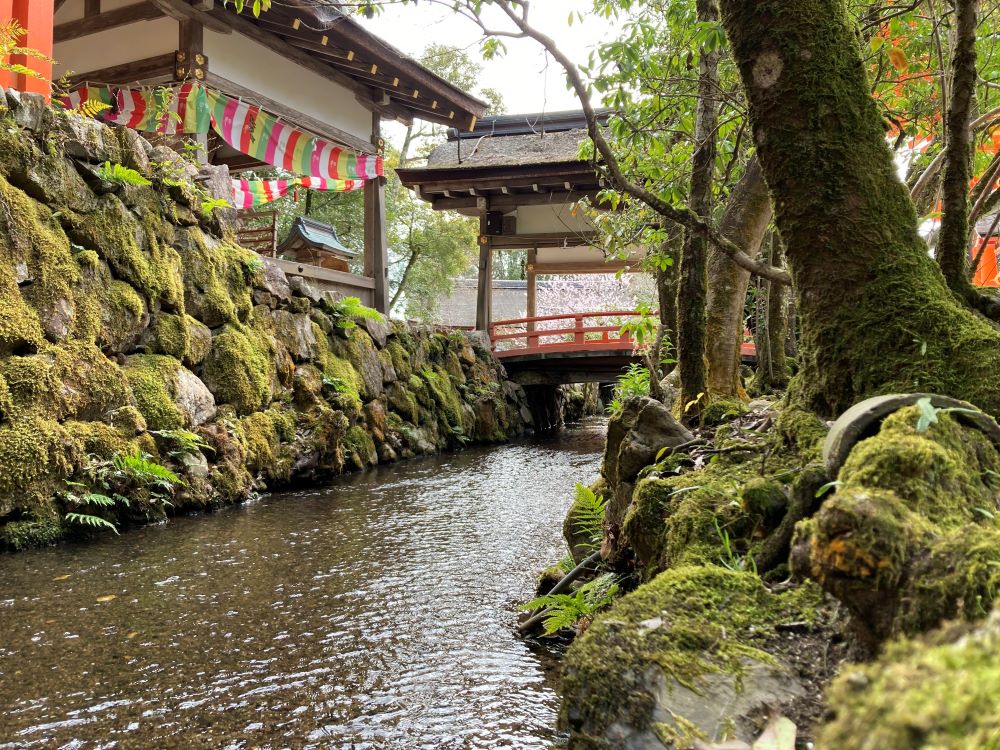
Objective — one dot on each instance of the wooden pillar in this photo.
(191, 63)
(376, 242)
(532, 287)
(37, 17)
(484, 296)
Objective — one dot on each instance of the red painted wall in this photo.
(37, 17)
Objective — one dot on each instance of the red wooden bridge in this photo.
(572, 348)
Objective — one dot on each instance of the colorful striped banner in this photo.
(75, 98)
(163, 110)
(255, 193)
(254, 132)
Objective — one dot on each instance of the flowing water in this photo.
(376, 612)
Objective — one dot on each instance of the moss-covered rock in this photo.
(682, 658)
(941, 692)
(240, 368)
(909, 537)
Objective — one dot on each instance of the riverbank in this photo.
(149, 366)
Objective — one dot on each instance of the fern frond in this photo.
(92, 108)
(82, 519)
(121, 175)
(588, 514)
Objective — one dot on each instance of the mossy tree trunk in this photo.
(691, 292)
(666, 283)
(772, 369)
(745, 221)
(874, 310)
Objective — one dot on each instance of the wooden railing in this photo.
(548, 333)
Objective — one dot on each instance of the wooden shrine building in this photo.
(521, 175)
(311, 66)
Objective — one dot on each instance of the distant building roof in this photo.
(508, 150)
(315, 235)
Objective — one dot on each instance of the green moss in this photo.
(721, 411)
(151, 377)
(939, 693)
(689, 622)
(445, 393)
(682, 520)
(803, 431)
(98, 438)
(764, 499)
(17, 536)
(169, 335)
(400, 359)
(264, 436)
(33, 463)
(912, 525)
(122, 310)
(359, 448)
(71, 380)
(240, 368)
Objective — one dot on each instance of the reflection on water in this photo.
(374, 613)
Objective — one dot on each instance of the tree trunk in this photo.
(745, 221)
(666, 283)
(874, 310)
(772, 369)
(953, 242)
(691, 292)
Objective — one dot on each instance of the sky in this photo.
(528, 81)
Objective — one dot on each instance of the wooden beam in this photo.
(180, 10)
(376, 239)
(103, 21)
(554, 269)
(149, 70)
(511, 201)
(543, 239)
(58, 5)
(91, 7)
(305, 121)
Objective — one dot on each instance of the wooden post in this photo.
(532, 294)
(484, 296)
(37, 17)
(376, 243)
(191, 62)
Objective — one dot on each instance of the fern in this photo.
(348, 308)
(188, 442)
(139, 466)
(10, 32)
(83, 519)
(209, 205)
(566, 611)
(588, 514)
(121, 175)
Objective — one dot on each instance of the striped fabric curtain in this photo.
(163, 110)
(261, 135)
(256, 193)
(74, 99)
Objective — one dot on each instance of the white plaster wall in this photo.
(555, 217)
(243, 61)
(72, 10)
(124, 44)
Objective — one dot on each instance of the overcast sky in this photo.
(522, 76)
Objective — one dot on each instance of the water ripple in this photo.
(373, 613)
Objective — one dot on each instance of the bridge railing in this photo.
(587, 331)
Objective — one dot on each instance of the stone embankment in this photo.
(136, 334)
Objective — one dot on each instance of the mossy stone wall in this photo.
(125, 313)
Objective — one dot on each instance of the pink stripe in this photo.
(272, 142)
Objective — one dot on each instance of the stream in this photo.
(374, 612)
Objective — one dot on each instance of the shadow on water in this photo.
(375, 612)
